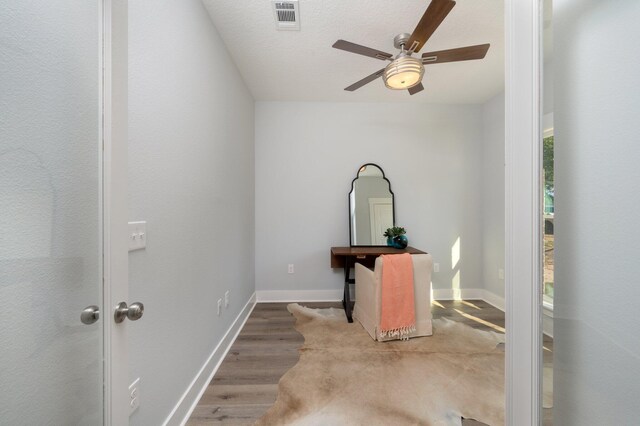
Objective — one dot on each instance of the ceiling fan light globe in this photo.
(403, 73)
(403, 80)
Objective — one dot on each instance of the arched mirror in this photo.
(371, 207)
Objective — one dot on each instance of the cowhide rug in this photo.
(345, 378)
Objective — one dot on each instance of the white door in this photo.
(54, 368)
(381, 218)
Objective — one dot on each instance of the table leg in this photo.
(346, 299)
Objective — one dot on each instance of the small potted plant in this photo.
(396, 237)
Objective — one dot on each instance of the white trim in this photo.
(523, 210)
(105, 138)
(457, 294)
(274, 296)
(189, 400)
(115, 267)
(469, 294)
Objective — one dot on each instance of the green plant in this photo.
(395, 231)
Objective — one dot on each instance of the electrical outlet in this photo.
(290, 269)
(219, 306)
(226, 299)
(436, 267)
(501, 273)
(134, 395)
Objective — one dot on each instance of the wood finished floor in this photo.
(246, 384)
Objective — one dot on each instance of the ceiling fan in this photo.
(406, 71)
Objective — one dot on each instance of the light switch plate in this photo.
(137, 235)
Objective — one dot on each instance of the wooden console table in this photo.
(346, 257)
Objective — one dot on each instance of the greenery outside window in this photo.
(548, 203)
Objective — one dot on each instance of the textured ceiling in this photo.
(302, 65)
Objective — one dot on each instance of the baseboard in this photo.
(494, 300)
(187, 403)
(298, 295)
(456, 294)
(469, 294)
(265, 296)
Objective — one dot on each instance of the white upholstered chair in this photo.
(367, 306)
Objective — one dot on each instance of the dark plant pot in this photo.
(399, 241)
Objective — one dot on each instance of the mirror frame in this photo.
(393, 204)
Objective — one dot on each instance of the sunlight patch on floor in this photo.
(438, 304)
(471, 305)
(481, 321)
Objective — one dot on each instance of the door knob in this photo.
(90, 314)
(133, 312)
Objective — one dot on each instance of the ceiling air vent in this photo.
(287, 14)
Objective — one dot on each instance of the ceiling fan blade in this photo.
(366, 80)
(415, 89)
(362, 50)
(454, 55)
(431, 20)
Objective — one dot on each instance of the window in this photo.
(548, 205)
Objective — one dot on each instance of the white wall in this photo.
(191, 177)
(493, 196)
(597, 233)
(306, 157)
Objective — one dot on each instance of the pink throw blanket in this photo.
(398, 315)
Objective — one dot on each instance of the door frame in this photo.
(523, 165)
(522, 210)
(115, 208)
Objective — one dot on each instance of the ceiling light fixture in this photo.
(403, 72)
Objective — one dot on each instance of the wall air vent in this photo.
(287, 14)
